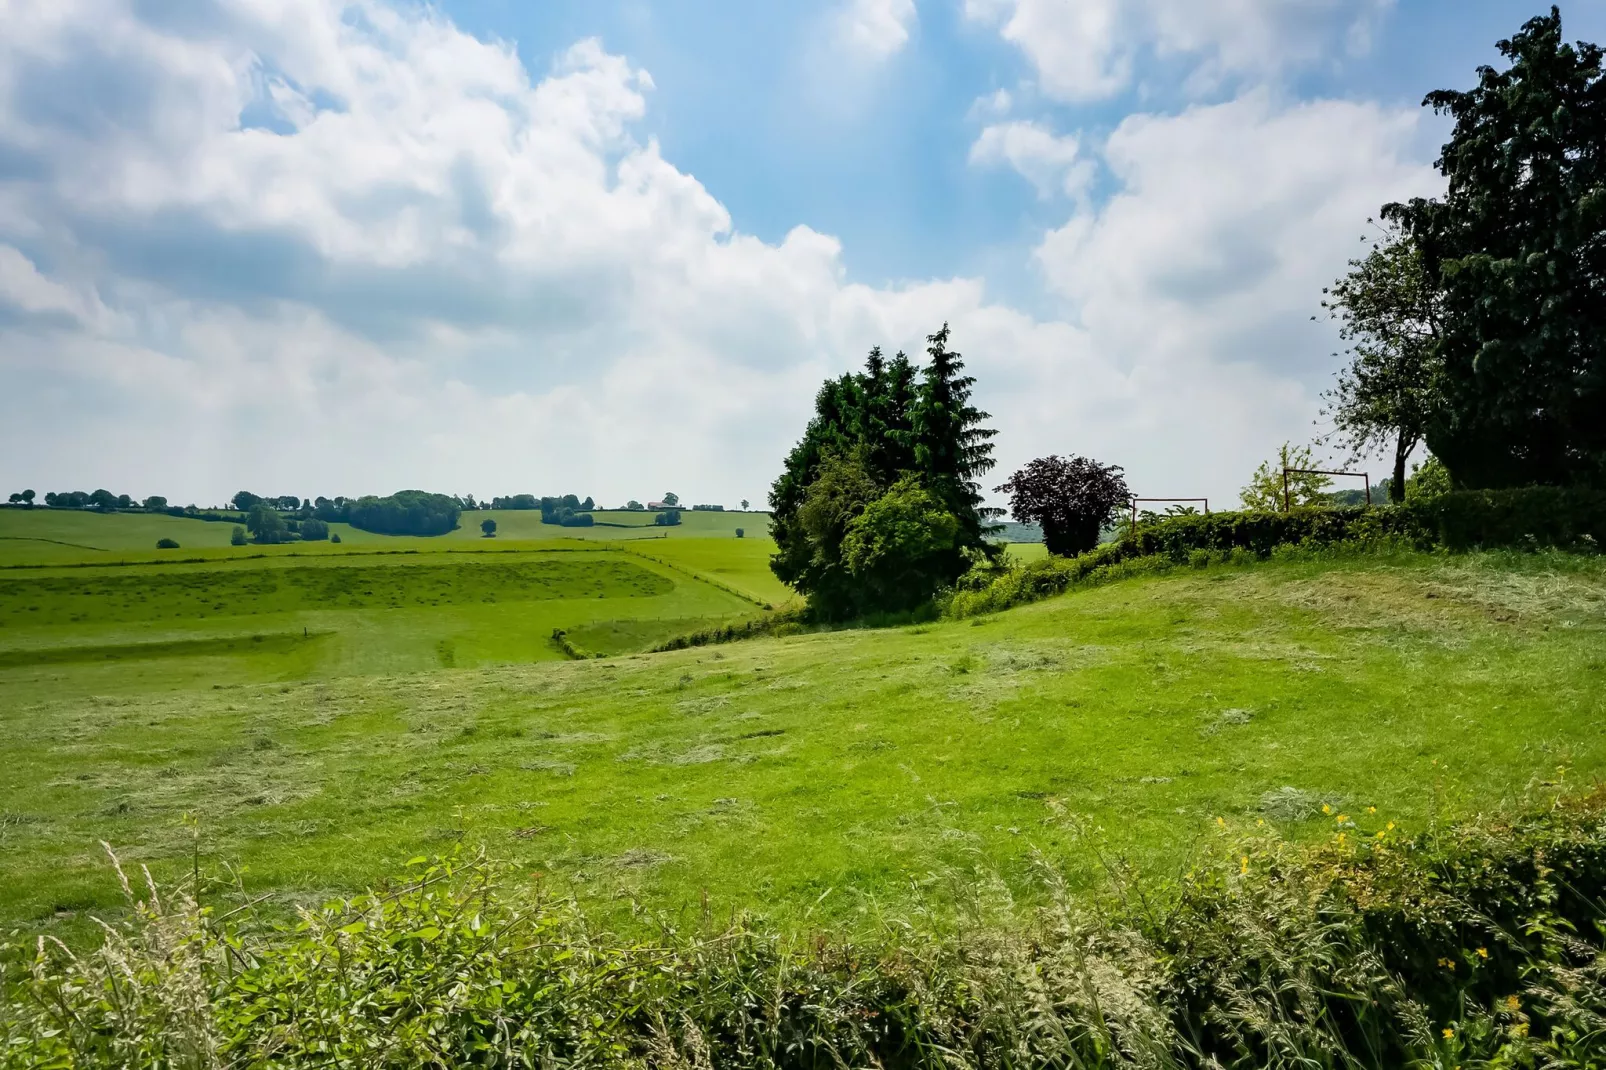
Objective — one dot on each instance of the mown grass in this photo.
(829, 776)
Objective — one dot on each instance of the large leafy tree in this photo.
(1388, 308)
(1070, 498)
(1518, 247)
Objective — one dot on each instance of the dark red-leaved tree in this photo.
(1071, 498)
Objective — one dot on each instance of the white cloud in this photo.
(322, 248)
(1050, 162)
(1086, 49)
(875, 28)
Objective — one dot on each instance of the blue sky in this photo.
(344, 246)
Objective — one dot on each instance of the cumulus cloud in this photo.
(319, 247)
(1086, 49)
(1050, 162)
(875, 28)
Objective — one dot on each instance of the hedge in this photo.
(1523, 518)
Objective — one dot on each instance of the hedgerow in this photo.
(1526, 518)
(1480, 946)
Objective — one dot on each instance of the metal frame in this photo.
(1364, 476)
(1135, 502)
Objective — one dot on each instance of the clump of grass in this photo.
(1475, 947)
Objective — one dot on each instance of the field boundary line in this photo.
(716, 584)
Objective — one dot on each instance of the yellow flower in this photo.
(1448, 1033)
(1243, 864)
(1326, 809)
(1391, 826)
(1512, 1003)
(1379, 836)
(1222, 822)
(1448, 964)
(1371, 809)
(1483, 952)
(1520, 1029)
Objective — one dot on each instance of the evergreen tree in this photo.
(952, 450)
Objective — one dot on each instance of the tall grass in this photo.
(1480, 946)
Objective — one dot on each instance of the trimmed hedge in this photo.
(1530, 517)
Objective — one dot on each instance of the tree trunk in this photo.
(1402, 450)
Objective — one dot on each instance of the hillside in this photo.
(824, 773)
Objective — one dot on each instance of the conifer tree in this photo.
(952, 448)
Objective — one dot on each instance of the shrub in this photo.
(166, 544)
(741, 532)
(667, 519)
(335, 537)
(237, 536)
(488, 527)
(314, 530)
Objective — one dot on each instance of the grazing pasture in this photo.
(825, 776)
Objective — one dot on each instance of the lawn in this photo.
(824, 776)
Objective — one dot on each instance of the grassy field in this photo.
(64, 536)
(823, 776)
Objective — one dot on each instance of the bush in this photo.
(335, 537)
(488, 528)
(576, 520)
(237, 536)
(741, 532)
(314, 530)
(667, 519)
(1479, 946)
(166, 544)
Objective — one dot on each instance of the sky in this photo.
(612, 247)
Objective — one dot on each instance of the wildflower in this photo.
(1520, 1029)
(1512, 1003)
(1326, 809)
(1449, 1033)
(1483, 952)
(1448, 964)
(1371, 809)
(1379, 836)
(1341, 818)
(1390, 826)
(1243, 864)
(1222, 822)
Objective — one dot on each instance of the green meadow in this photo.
(319, 715)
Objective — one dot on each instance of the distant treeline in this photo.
(567, 509)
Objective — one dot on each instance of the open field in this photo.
(62, 536)
(823, 773)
